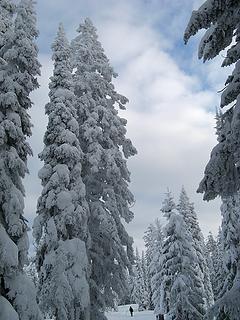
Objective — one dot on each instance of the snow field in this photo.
(123, 314)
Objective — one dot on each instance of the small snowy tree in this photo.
(19, 68)
(181, 294)
(186, 209)
(211, 249)
(220, 269)
(128, 297)
(60, 229)
(211, 245)
(31, 271)
(139, 288)
(215, 263)
(105, 173)
(153, 241)
(145, 281)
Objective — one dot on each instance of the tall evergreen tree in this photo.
(186, 209)
(222, 174)
(60, 229)
(222, 23)
(181, 294)
(19, 68)
(105, 173)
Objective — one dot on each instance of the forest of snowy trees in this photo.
(174, 275)
(84, 262)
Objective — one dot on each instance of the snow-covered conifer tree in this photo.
(211, 244)
(230, 234)
(60, 229)
(181, 294)
(222, 174)
(186, 209)
(149, 240)
(139, 288)
(153, 241)
(221, 20)
(19, 68)
(130, 286)
(227, 277)
(31, 271)
(105, 174)
(211, 249)
(145, 281)
(221, 271)
(216, 265)
(224, 256)
(128, 297)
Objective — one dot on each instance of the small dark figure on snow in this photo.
(131, 311)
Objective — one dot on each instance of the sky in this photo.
(172, 98)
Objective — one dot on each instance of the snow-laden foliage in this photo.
(140, 289)
(221, 19)
(31, 271)
(128, 297)
(153, 241)
(140, 293)
(228, 306)
(105, 174)
(145, 281)
(19, 68)
(227, 274)
(64, 292)
(215, 263)
(181, 292)
(6, 14)
(230, 210)
(225, 257)
(222, 175)
(186, 209)
(60, 229)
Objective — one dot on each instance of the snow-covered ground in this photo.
(123, 314)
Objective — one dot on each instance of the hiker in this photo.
(131, 311)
